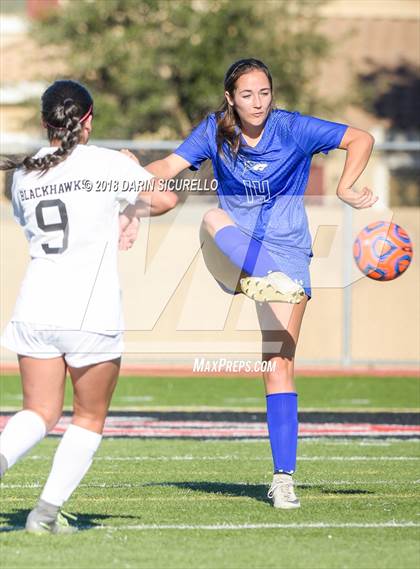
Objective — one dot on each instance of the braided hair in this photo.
(228, 123)
(66, 105)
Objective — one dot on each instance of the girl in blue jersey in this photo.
(261, 159)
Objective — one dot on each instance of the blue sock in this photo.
(245, 252)
(282, 421)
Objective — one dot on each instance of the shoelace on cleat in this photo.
(63, 518)
(45, 526)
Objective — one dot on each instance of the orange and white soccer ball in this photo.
(383, 251)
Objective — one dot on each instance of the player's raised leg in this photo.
(264, 282)
(93, 388)
(280, 327)
(43, 393)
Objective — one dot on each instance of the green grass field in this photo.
(202, 503)
(332, 393)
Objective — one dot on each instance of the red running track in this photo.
(146, 427)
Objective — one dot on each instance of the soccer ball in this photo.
(383, 251)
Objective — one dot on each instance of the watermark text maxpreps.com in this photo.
(233, 366)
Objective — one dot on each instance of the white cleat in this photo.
(282, 492)
(275, 287)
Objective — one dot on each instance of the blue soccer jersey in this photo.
(262, 189)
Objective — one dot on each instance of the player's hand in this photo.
(129, 228)
(358, 199)
(130, 155)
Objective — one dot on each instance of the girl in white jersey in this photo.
(68, 313)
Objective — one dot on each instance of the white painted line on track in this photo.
(117, 426)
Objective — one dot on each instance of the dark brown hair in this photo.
(227, 120)
(65, 106)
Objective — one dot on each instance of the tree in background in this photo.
(156, 67)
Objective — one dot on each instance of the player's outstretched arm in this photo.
(155, 199)
(358, 144)
(155, 202)
(168, 167)
(152, 202)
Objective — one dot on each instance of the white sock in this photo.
(23, 431)
(72, 460)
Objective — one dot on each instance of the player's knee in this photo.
(90, 416)
(49, 416)
(91, 421)
(211, 220)
(279, 374)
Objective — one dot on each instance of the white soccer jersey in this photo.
(70, 218)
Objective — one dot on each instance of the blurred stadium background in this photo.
(155, 68)
(182, 474)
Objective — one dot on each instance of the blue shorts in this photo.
(293, 262)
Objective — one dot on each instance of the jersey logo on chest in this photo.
(257, 191)
(252, 165)
(260, 167)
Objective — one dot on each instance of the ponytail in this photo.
(228, 129)
(65, 107)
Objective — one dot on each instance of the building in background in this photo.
(376, 51)
(377, 46)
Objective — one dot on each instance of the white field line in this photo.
(361, 440)
(236, 527)
(257, 459)
(237, 457)
(4, 486)
(320, 525)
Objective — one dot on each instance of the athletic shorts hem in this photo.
(78, 348)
